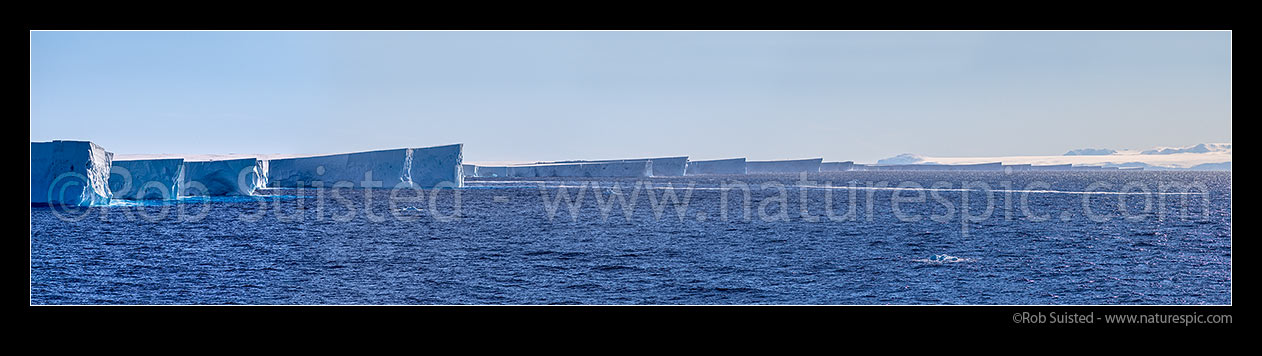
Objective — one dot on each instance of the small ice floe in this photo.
(944, 258)
(612, 192)
(409, 208)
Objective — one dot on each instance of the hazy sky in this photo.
(587, 95)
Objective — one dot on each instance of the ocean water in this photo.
(919, 238)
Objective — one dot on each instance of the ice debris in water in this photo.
(944, 258)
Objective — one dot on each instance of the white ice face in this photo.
(147, 179)
(227, 177)
(437, 166)
(70, 173)
(635, 168)
(658, 167)
(719, 166)
(836, 166)
(788, 166)
(405, 167)
(374, 169)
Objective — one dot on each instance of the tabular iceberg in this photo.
(404, 167)
(372, 169)
(836, 166)
(620, 169)
(662, 166)
(224, 177)
(147, 179)
(602, 169)
(669, 166)
(522, 171)
(1052, 167)
(439, 166)
(1093, 168)
(642, 168)
(468, 170)
(995, 166)
(718, 166)
(787, 166)
(485, 171)
(70, 173)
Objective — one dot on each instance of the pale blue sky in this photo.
(587, 95)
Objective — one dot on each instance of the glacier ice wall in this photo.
(491, 171)
(993, 166)
(439, 166)
(836, 166)
(70, 173)
(786, 166)
(371, 169)
(522, 171)
(262, 170)
(1094, 168)
(642, 168)
(662, 166)
(147, 179)
(1051, 167)
(620, 169)
(669, 166)
(718, 166)
(468, 170)
(404, 167)
(224, 177)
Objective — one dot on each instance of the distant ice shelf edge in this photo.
(427, 167)
(70, 173)
(83, 173)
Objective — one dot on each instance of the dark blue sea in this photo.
(851, 238)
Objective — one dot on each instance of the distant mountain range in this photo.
(1205, 156)
(1201, 148)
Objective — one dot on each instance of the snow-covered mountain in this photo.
(1201, 148)
(906, 158)
(1205, 156)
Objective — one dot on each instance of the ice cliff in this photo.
(404, 167)
(224, 177)
(70, 173)
(147, 179)
(643, 168)
(718, 166)
(787, 166)
(836, 166)
(373, 169)
(485, 171)
(1051, 167)
(437, 166)
(992, 166)
(662, 166)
